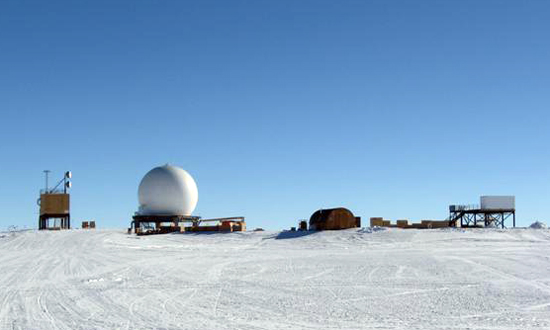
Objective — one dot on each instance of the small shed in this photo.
(333, 219)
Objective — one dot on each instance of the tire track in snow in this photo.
(502, 274)
(44, 308)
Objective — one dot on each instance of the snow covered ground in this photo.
(353, 279)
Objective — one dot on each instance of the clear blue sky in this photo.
(277, 108)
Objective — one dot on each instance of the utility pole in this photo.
(47, 172)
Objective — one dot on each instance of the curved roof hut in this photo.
(333, 219)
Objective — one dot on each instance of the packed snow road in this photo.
(353, 279)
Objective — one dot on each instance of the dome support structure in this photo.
(161, 224)
(164, 224)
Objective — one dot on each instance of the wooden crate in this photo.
(435, 224)
(402, 223)
(227, 226)
(239, 226)
(440, 224)
(376, 222)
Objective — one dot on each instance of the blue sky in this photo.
(277, 108)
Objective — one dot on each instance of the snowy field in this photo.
(354, 279)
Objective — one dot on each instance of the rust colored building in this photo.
(54, 211)
(333, 219)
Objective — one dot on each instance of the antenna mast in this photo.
(46, 172)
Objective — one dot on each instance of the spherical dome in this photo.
(167, 190)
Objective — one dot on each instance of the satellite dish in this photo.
(68, 184)
(68, 175)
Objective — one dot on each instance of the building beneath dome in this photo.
(333, 219)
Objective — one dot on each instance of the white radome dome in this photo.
(167, 190)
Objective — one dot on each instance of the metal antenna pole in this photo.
(47, 172)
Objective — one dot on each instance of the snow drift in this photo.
(538, 225)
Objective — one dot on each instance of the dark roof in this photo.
(323, 214)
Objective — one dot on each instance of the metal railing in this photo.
(52, 191)
(466, 207)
